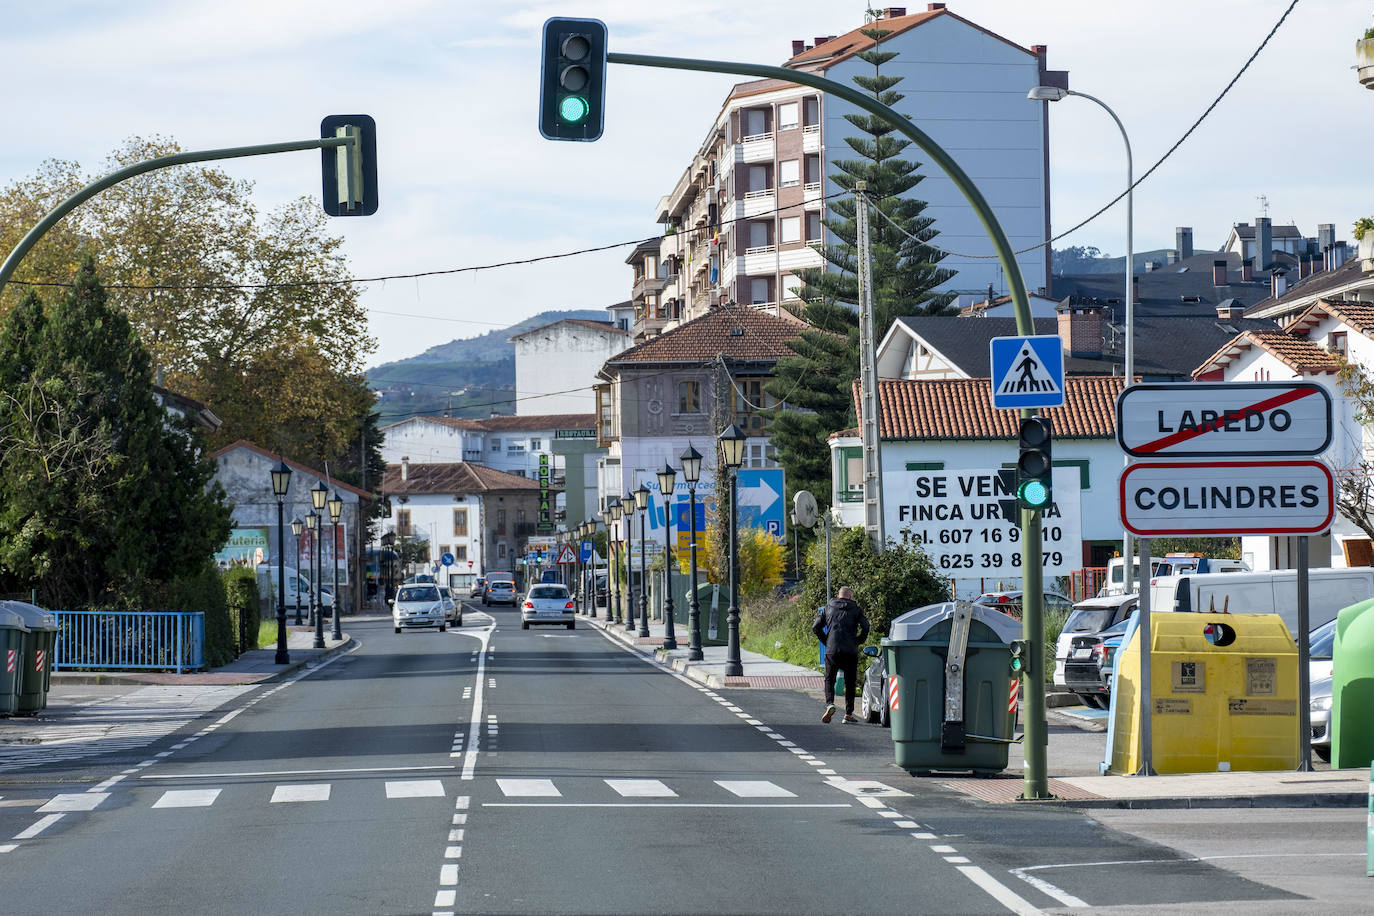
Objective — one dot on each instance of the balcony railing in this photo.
(761, 249)
(756, 137)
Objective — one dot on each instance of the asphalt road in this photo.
(496, 770)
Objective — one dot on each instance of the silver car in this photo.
(500, 591)
(1320, 692)
(548, 602)
(453, 608)
(418, 605)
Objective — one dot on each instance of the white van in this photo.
(1172, 564)
(297, 588)
(1274, 592)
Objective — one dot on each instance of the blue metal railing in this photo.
(130, 640)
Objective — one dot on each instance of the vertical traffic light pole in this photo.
(1036, 782)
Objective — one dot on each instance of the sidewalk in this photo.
(1076, 743)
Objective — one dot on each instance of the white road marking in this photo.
(665, 805)
(445, 898)
(414, 788)
(9, 847)
(641, 788)
(522, 788)
(957, 860)
(1050, 890)
(455, 836)
(440, 766)
(301, 793)
(475, 723)
(929, 836)
(453, 852)
(448, 875)
(187, 798)
(892, 814)
(38, 826)
(943, 849)
(86, 801)
(866, 787)
(907, 825)
(998, 891)
(754, 788)
(871, 802)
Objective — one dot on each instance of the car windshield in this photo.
(418, 593)
(443, 589)
(549, 591)
(1114, 630)
(1088, 620)
(1322, 640)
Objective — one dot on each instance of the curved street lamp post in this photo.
(667, 479)
(281, 482)
(691, 472)
(732, 456)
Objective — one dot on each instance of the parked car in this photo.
(1088, 668)
(873, 698)
(453, 608)
(602, 593)
(1319, 710)
(1171, 564)
(418, 605)
(548, 602)
(500, 591)
(1321, 642)
(1088, 617)
(1009, 603)
(479, 587)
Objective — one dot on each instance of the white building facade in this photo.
(556, 365)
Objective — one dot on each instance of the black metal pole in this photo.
(669, 630)
(298, 579)
(592, 605)
(319, 592)
(310, 559)
(643, 576)
(734, 667)
(615, 567)
(283, 657)
(694, 610)
(338, 631)
(630, 577)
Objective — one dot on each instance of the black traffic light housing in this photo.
(1020, 657)
(349, 172)
(1034, 468)
(572, 79)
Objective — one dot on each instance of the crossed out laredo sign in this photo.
(1247, 420)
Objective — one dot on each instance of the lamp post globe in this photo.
(281, 483)
(667, 480)
(732, 441)
(297, 526)
(628, 502)
(642, 507)
(335, 511)
(612, 539)
(691, 472)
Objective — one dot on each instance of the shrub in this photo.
(245, 610)
(761, 561)
(202, 591)
(780, 629)
(886, 586)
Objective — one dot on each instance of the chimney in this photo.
(1183, 242)
(1278, 282)
(405, 468)
(1340, 253)
(819, 40)
(1304, 267)
(1218, 273)
(1247, 270)
(1326, 257)
(1080, 329)
(1326, 236)
(932, 7)
(1264, 241)
(798, 46)
(1230, 309)
(894, 11)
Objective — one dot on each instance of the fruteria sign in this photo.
(1227, 498)
(956, 518)
(1224, 420)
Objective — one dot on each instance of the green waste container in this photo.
(1352, 687)
(13, 633)
(929, 732)
(35, 662)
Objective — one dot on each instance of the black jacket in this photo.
(848, 627)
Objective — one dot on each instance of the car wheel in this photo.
(1322, 751)
(1092, 700)
(398, 629)
(885, 717)
(443, 627)
(525, 625)
(458, 622)
(572, 626)
(870, 715)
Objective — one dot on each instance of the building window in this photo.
(500, 521)
(1337, 342)
(689, 397)
(760, 455)
(460, 523)
(536, 444)
(812, 110)
(849, 479)
(791, 229)
(752, 405)
(446, 548)
(787, 116)
(501, 551)
(789, 173)
(460, 552)
(496, 445)
(813, 169)
(814, 228)
(403, 522)
(791, 286)
(759, 291)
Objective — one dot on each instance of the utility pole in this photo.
(868, 380)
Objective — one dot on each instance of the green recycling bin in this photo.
(953, 709)
(13, 632)
(35, 662)
(1352, 687)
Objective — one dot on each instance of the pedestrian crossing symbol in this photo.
(1026, 372)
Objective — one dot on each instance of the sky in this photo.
(465, 179)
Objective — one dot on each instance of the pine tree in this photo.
(101, 496)
(820, 376)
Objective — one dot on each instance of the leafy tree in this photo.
(1217, 548)
(1355, 473)
(101, 495)
(1070, 260)
(905, 273)
(886, 586)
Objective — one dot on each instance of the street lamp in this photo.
(312, 521)
(691, 472)
(281, 482)
(1055, 94)
(591, 587)
(297, 526)
(667, 479)
(613, 511)
(642, 506)
(732, 456)
(318, 494)
(335, 510)
(628, 502)
(581, 589)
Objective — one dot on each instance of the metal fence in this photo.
(1085, 583)
(130, 640)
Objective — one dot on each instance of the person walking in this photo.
(843, 627)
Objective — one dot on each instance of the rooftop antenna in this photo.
(1264, 204)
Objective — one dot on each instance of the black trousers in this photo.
(848, 662)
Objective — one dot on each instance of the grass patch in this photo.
(779, 629)
(267, 634)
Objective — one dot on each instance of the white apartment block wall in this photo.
(556, 366)
(424, 442)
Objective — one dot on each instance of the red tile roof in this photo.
(452, 477)
(735, 332)
(1293, 350)
(824, 55)
(1359, 315)
(962, 409)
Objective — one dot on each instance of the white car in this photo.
(419, 605)
(453, 607)
(548, 602)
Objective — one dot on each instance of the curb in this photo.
(79, 678)
(1323, 800)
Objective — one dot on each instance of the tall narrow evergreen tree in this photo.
(905, 272)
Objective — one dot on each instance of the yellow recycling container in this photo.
(1225, 695)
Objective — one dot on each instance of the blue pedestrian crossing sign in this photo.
(1027, 371)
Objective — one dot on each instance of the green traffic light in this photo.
(1034, 494)
(573, 108)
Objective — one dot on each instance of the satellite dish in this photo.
(805, 508)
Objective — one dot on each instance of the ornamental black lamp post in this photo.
(297, 526)
(642, 505)
(281, 482)
(691, 472)
(612, 537)
(581, 589)
(667, 479)
(336, 510)
(318, 495)
(628, 503)
(732, 454)
(591, 575)
(312, 521)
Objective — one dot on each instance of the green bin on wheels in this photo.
(35, 662)
(953, 708)
(13, 633)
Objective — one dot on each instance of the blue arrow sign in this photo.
(761, 502)
(1027, 371)
(447, 559)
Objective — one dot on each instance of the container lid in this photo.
(10, 620)
(33, 616)
(915, 624)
